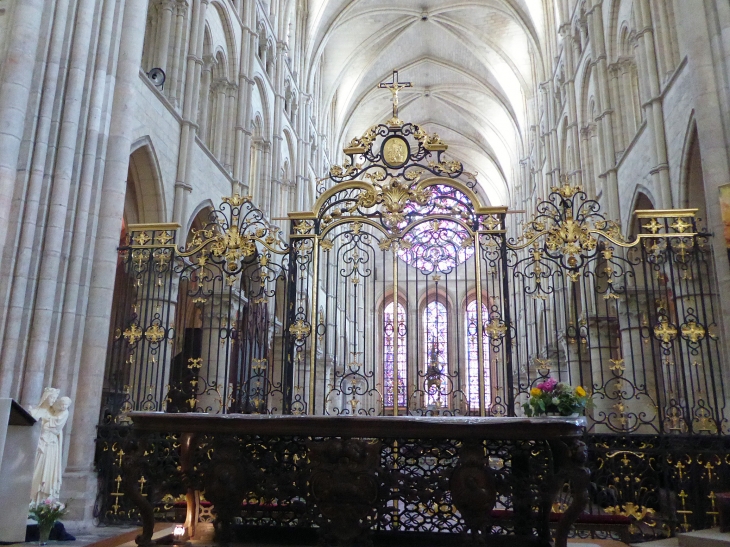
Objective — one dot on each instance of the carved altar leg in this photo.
(571, 461)
(226, 482)
(521, 492)
(473, 489)
(192, 496)
(344, 485)
(131, 469)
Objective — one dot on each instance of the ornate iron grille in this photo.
(238, 320)
(195, 325)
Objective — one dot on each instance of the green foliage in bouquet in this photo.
(550, 396)
(46, 512)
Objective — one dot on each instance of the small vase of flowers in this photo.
(46, 513)
(551, 397)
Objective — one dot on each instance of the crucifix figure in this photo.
(395, 86)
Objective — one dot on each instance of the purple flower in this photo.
(548, 385)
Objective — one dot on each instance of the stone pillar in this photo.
(242, 141)
(569, 91)
(79, 480)
(206, 79)
(163, 37)
(219, 124)
(15, 82)
(174, 77)
(614, 71)
(219, 318)
(667, 49)
(608, 150)
(653, 104)
(638, 363)
(60, 198)
(232, 92)
(68, 343)
(190, 110)
(246, 85)
(26, 246)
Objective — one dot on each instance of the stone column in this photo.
(614, 70)
(174, 77)
(572, 112)
(608, 151)
(163, 37)
(241, 143)
(219, 317)
(190, 110)
(244, 155)
(631, 116)
(26, 246)
(79, 481)
(667, 49)
(206, 79)
(219, 124)
(653, 104)
(277, 137)
(232, 92)
(15, 83)
(586, 144)
(60, 198)
(68, 348)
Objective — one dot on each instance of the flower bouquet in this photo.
(553, 397)
(45, 513)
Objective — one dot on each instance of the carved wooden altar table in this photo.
(351, 477)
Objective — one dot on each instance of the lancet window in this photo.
(472, 356)
(435, 352)
(394, 329)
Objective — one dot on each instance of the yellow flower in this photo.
(580, 392)
(535, 392)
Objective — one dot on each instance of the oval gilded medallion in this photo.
(395, 151)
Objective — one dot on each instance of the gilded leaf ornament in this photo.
(236, 200)
(566, 190)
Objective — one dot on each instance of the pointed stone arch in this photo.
(145, 199)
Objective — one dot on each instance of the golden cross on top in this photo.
(395, 86)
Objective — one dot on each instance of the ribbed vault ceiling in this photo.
(473, 64)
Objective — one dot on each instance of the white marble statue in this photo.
(52, 412)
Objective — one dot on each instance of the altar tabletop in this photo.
(433, 427)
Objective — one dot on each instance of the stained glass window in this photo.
(437, 245)
(389, 333)
(435, 353)
(472, 356)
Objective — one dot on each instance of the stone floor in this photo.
(123, 536)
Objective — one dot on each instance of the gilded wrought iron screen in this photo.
(400, 292)
(195, 324)
(633, 321)
(405, 260)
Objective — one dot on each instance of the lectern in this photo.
(19, 434)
